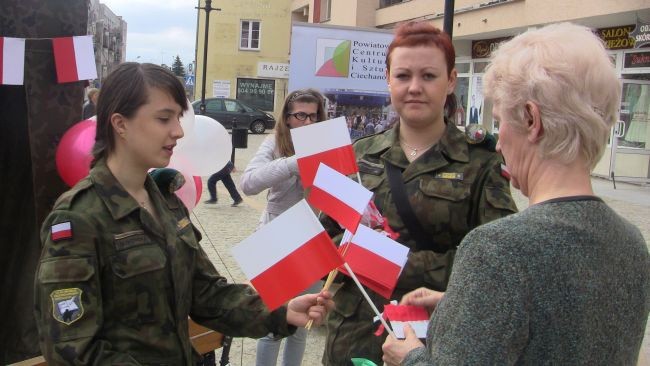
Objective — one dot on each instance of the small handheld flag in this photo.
(287, 255)
(325, 142)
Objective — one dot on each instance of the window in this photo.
(233, 106)
(258, 93)
(385, 3)
(250, 35)
(213, 106)
(325, 10)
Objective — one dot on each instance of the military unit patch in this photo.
(183, 223)
(130, 239)
(61, 231)
(449, 175)
(475, 133)
(66, 305)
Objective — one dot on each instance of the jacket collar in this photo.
(452, 145)
(118, 201)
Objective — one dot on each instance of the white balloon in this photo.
(206, 150)
(187, 122)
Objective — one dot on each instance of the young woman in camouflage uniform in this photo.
(121, 267)
(452, 181)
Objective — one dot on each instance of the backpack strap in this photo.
(405, 210)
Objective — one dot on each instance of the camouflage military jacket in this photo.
(115, 287)
(452, 187)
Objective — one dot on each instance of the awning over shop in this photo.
(358, 98)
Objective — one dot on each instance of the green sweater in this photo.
(565, 282)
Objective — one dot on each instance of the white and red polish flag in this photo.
(74, 58)
(12, 61)
(399, 315)
(325, 142)
(338, 196)
(287, 255)
(376, 260)
(61, 231)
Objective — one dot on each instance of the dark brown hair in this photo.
(283, 140)
(125, 90)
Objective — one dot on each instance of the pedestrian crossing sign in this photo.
(189, 80)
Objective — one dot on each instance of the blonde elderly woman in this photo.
(566, 281)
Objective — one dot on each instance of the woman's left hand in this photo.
(395, 350)
(314, 307)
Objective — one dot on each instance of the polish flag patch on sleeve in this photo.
(61, 231)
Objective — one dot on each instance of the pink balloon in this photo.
(199, 188)
(74, 152)
(187, 193)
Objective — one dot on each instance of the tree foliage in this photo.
(177, 67)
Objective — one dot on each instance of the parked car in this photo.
(231, 111)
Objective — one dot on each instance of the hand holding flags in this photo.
(287, 255)
(399, 315)
(295, 247)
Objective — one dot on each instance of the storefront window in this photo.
(462, 67)
(635, 112)
(462, 90)
(476, 100)
(479, 67)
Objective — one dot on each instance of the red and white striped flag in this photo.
(12, 61)
(399, 315)
(325, 142)
(74, 58)
(61, 231)
(338, 196)
(287, 255)
(376, 260)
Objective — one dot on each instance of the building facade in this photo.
(248, 52)
(480, 25)
(109, 39)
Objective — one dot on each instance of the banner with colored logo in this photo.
(338, 58)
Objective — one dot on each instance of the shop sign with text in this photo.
(617, 38)
(273, 70)
(259, 93)
(637, 60)
(641, 33)
(483, 48)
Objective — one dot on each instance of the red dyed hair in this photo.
(414, 34)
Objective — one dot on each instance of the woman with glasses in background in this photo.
(275, 167)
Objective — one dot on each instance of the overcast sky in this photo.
(157, 30)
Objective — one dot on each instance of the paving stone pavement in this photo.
(223, 227)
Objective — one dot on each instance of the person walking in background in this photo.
(369, 129)
(432, 183)
(224, 176)
(121, 267)
(566, 281)
(275, 167)
(89, 108)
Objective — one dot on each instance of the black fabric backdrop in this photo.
(33, 117)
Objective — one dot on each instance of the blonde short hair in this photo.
(565, 70)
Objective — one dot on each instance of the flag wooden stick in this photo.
(333, 273)
(365, 295)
